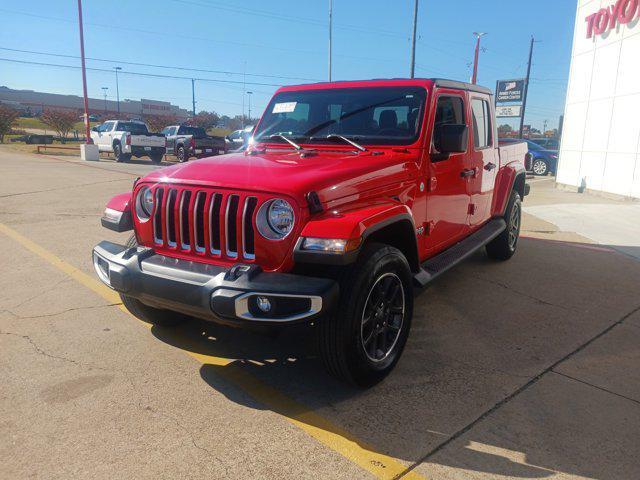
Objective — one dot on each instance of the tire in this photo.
(540, 167)
(182, 154)
(155, 316)
(157, 159)
(504, 245)
(117, 153)
(346, 336)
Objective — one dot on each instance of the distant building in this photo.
(34, 103)
(601, 132)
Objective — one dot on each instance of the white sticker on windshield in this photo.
(284, 107)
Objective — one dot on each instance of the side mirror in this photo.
(451, 138)
(94, 129)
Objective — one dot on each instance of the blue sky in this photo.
(283, 38)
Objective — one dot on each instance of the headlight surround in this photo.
(275, 219)
(144, 204)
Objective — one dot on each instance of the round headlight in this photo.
(275, 219)
(144, 203)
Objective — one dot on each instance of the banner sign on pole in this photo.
(510, 90)
(508, 111)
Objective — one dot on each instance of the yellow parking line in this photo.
(342, 442)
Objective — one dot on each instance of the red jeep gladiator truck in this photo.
(349, 195)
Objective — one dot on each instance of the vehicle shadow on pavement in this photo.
(468, 393)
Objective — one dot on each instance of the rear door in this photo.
(484, 159)
(448, 199)
(104, 135)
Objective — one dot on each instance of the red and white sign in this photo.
(605, 19)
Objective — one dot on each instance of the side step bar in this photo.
(436, 266)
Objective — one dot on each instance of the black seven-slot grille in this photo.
(211, 223)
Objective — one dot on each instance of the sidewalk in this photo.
(557, 214)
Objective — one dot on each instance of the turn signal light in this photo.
(330, 245)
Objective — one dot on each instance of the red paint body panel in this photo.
(121, 202)
(357, 190)
(353, 220)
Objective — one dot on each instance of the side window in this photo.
(482, 134)
(106, 127)
(449, 110)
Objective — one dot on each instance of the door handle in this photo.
(468, 172)
(490, 166)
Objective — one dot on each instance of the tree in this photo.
(62, 121)
(205, 119)
(157, 122)
(8, 118)
(504, 129)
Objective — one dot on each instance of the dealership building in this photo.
(34, 103)
(600, 147)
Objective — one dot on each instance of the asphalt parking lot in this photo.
(524, 369)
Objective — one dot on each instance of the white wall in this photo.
(601, 134)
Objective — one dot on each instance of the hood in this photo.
(332, 174)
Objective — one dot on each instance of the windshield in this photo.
(195, 131)
(133, 128)
(377, 115)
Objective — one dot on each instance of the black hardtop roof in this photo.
(438, 82)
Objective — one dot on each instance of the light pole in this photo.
(117, 88)
(330, 34)
(478, 35)
(526, 88)
(249, 94)
(104, 91)
(193, 95)
(413, 39)
(87, 130)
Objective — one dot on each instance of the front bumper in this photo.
(229, 296)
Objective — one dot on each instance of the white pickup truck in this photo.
(126, 138)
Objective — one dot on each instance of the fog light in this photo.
(263, 304)
(101, 267)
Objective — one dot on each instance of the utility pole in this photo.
(526, 88)
(544, 126)
(117, 88)
(193, 95)
(104, 91)
(413, 40)
(249, 95)
(87, 130)
(330, 34)
(478, 35)
(244, 91)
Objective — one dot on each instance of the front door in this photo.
(484, 158)
(448, 199)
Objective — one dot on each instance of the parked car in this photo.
(239, 139)
(185, 141)
(125, 138)
(547, 143)
(542, 162)
(34, 138)
(331, 217)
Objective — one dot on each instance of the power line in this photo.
(200, 39)
(202, 70)
(290, 18)
(142, 74)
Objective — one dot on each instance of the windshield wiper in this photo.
(289, 141)
(350, 142)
